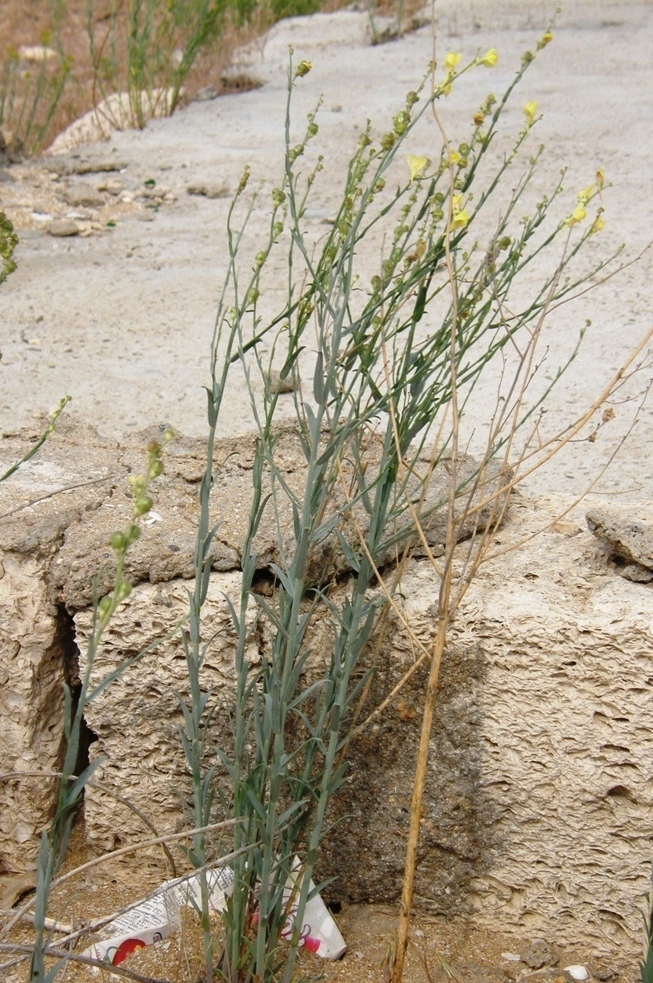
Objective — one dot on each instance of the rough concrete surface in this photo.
(539, 795)
(538, 803)
(72, 528)
(627, 536)
(137, 720)
(56, 519)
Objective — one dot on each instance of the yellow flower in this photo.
(417, 165)
(586, 194)
(546, 38)
(530, 109)
(459, 215)
(451, 60)
(459, 219)
(576, 216)
(454, 157)
(303, 69)
(600, 178)
(598, 223)
(490, 59)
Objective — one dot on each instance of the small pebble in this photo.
(62, 227)
(279, 385)
(511, 957)
(577, 972)
(83, 196)
(205, 93)
(208, 190)
(603, 973)
(538, 954)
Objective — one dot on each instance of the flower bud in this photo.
(143, 505)
(243, 181)
(123, 590)
(401, 122)
(104, 606)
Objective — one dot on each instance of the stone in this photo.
(36, 53)
(112, 186)
(638, 574)
(32, 667)
(279, 385)
(577, 972)
(538, 954)
(519, 796)
(117, 112)
(83, 195)
(215, 190)
(165, 551)
(62, 227)
(627, 534)
(563, 737)
(77, 164)
(206, 93)
(14, 887)
(603, 972)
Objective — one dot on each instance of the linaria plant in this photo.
(54, 841)
(383, 398)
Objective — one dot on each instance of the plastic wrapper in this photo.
(156, 917)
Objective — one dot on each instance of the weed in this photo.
(646, 965)
(385, 379)
(54, 841)
(148, 47)
(30, 92)
(8, 243)
(380, 370)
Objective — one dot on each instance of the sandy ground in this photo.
(121, 316)
(440, 951)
